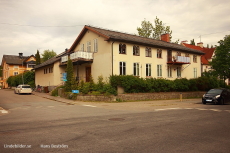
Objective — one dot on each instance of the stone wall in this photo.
(142, 96)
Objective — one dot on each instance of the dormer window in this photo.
(122, 49)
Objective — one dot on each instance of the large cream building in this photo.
(101, 52)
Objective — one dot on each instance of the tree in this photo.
(192, 42)
(221, 63)
(47, 54)
(149, 31)
(38, 58)
(69, 84)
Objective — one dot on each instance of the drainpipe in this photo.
(112, 56)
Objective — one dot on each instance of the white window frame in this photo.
(195, 72)
(136, 50)
(136, 69)
(95, 46)
(148, 52)
(16, 73)
(178, 72)
(148, 69)
(82, 47)
(122, 68)
(16, 67)
(88, 46)
(159, 70)
(169, 71)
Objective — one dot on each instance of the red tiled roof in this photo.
(208, 52)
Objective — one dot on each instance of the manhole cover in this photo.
(116, 119)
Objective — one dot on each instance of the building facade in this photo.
(101, 52)
(13, 65)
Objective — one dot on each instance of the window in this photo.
(148, 69)
(30, 65)
(178, 72)
(82, 47)
(159, 53)
(148, 52)
(169, 71)
(159, 70)
(122, 49)
(122, 68)
(88, 46)
(16, 67)
(95, 46)
(186, 55)
(136, 69)
(15, 73)
(178, 53)
(194, 58)
(136, 50)
(195, 72)
(51, 70)
(45, 71)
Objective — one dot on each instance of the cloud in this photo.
(26, 26)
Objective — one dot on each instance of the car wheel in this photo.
(222, 101)
(15, 92)
(203, 102)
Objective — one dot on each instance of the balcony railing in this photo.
(64, 58)
(81, 55)
(179, 60)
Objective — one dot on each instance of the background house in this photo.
(14, 65)
(206, 58)
(101, 52)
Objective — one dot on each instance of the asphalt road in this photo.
(36, 124)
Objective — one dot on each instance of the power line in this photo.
(39, 25)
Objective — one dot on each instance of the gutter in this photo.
(112, 56)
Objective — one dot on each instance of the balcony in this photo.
(179, 60)
(79, 56)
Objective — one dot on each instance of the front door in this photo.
(88, 74)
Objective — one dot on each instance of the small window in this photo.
(186, 55)
(89, 46)
(195, 58)
(16, 67)
(15, 73)
(122, 49)
(82, 47)
(148, 69)
(95, 47)
(159, 53)
(178, 53)
(122, 66)
(148, 52)
(136, 50)
(136, 69)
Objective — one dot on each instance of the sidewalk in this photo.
(137, 105)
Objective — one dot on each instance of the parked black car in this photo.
(217, 96)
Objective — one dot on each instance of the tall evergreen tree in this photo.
(70, 76)
(38, 58)
(192, 42)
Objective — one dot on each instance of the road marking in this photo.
(216, 110)
(201, 109)
(89, 105)
(50, 106)
(3, 111)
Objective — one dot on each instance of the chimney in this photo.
(184, 42)
(165, 37)
(20, 55)
(200, 44)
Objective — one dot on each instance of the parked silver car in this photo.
(23, 88)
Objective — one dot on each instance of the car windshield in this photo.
(25, 86)
(215, 91)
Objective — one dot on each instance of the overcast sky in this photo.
(30, 25)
